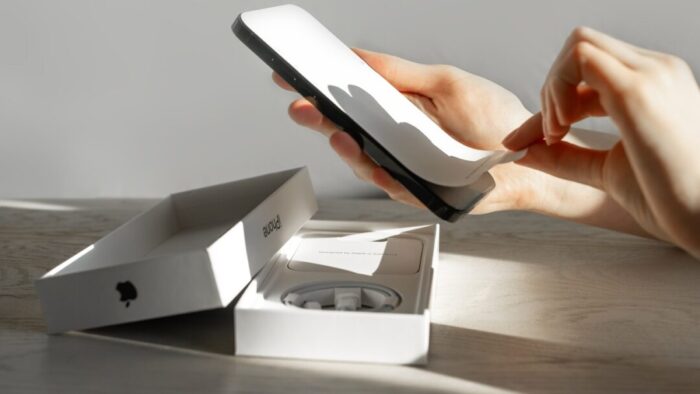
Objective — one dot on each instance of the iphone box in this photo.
(343, 291)
(192, 251)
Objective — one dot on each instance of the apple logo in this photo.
(127, 292)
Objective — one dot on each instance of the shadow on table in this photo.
(460, 360)
(207, 331)
(75, 365)
(533, 365)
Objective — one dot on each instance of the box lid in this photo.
(192, 251)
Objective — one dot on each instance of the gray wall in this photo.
(142, 98)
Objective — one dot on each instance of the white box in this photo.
(193, 251)
(400, 257)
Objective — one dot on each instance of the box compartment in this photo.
(265, 326)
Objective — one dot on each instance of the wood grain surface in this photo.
(523, 303)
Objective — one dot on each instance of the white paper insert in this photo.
(394, 256)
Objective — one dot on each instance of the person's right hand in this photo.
(653, 98)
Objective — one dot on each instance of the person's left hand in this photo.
(473, 110)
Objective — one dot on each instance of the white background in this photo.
(139, 98)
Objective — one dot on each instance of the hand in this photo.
(473, 110)
(478, 113)
(653, 98)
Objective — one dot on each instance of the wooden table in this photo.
(523, 303)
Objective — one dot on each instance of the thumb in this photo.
(528, 133)
(584, 104)
(405, 75)
(567, 161)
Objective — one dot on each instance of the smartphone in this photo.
(447, 177)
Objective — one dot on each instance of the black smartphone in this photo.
(446, 176)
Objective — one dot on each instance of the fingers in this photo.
(276, 78)
(553, 129)
(627, 54)
(394, 189)
(405, 75)
(305, 114)
(588, 58)
(588, 104)
(351, 153)
(528, 133)
(568, 161)
(601, 70)
(364, 168)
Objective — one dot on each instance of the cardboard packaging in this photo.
(323, 290)
(343, 291)
(192, 251)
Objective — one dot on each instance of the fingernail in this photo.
(545, 133)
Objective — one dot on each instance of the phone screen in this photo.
(367, 98)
